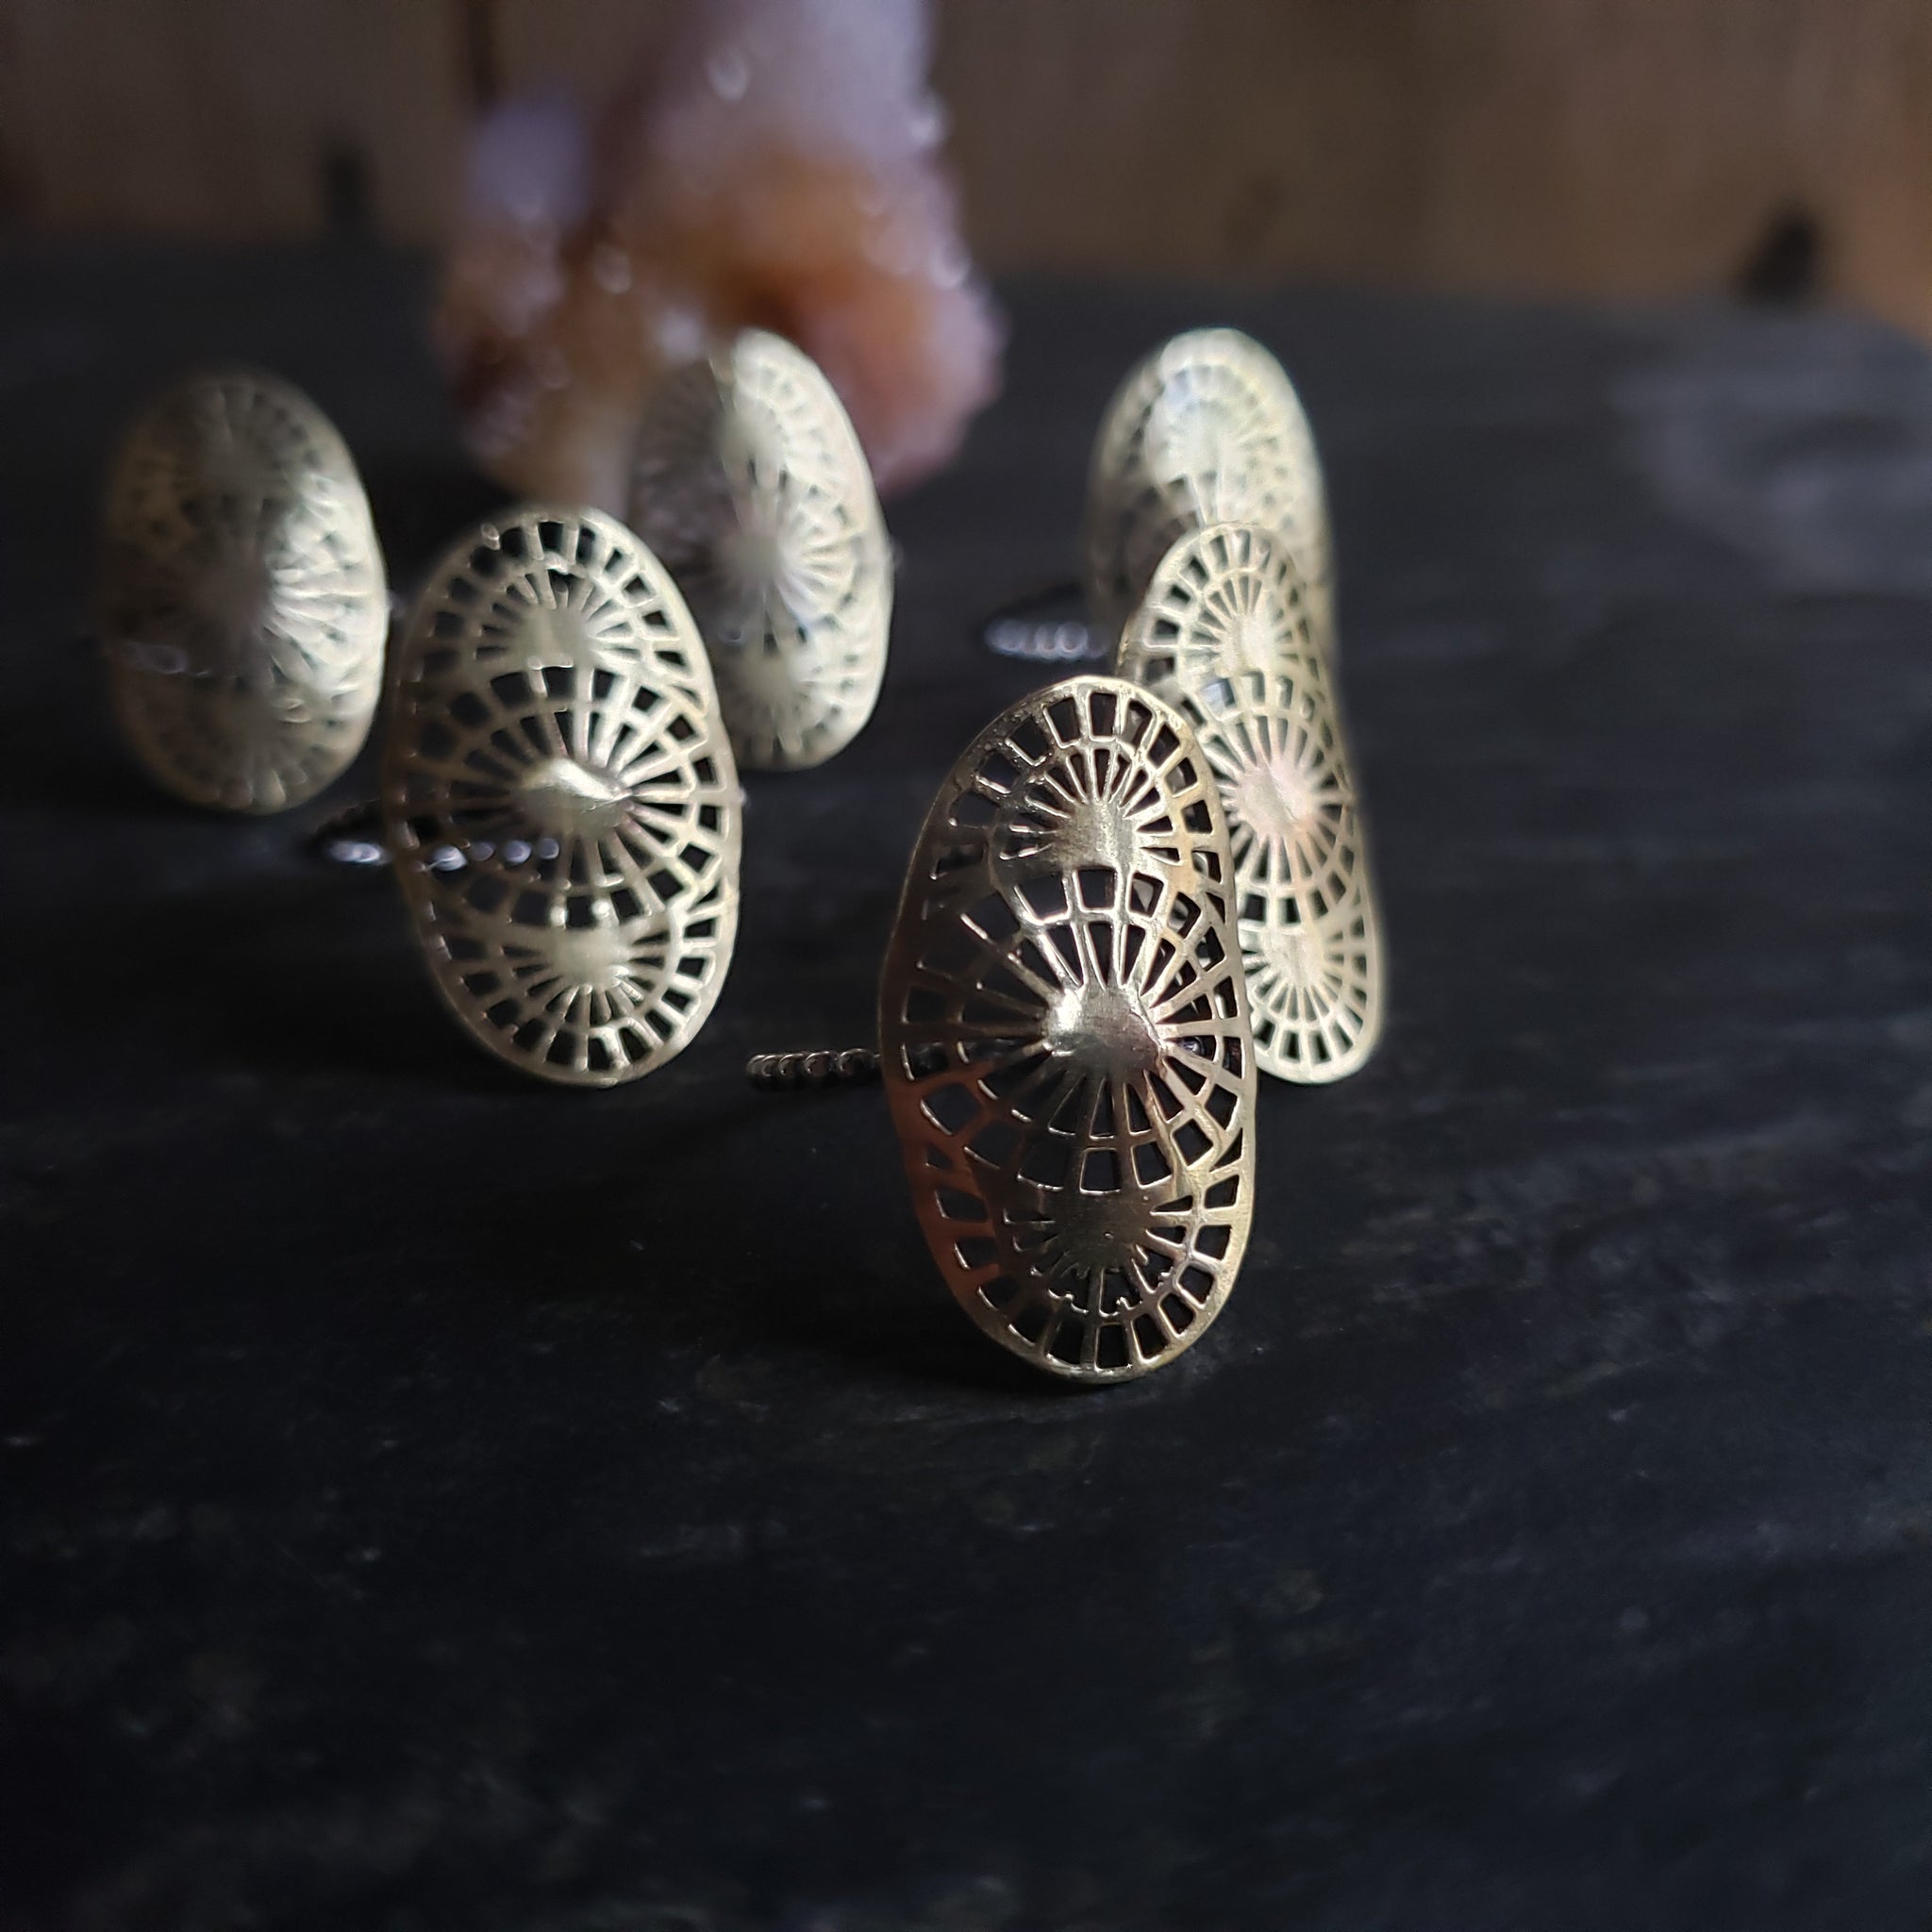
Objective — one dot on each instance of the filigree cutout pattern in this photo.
(750, 484)
(1064, 1036)
(242, 605)
(1223, 636)
(560, 798)
(1206, 431)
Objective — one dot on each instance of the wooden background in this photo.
(1636, 146)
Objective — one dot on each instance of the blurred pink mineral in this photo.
(769, 163)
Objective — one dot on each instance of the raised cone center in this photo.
(1103, 1030)
(561, 796)
(1295, 954)
(1256, 639)
(1274, 800)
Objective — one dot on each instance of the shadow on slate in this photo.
(434, 1501)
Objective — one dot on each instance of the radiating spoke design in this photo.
(561, 799)
(1223, 636)
(1207, 430)
(750, 483)
(243, 603)
(1064, 1037)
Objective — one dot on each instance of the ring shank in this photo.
(779, 1072)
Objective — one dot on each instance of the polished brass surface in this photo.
(1207, 430)
(242, 602)
(750, 484)
(1226, 637)
(559, 797)
(1064, 1034)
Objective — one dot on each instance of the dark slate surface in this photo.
(435, 1501)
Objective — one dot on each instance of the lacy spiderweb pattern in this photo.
(1064, 1038)
(1224, 635)
(560, 799)
(750, 484)
(243, 602)
(1206, 431)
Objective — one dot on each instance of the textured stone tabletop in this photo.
(429, 1501)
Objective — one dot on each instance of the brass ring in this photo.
(558, 798)
(1229, 635)
(1064, 1038)
(748, 481)
(242, 605)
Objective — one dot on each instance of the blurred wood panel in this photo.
(1634, 147)
(1231, 134)
(232, 119)
(582, 43)
(1645, 147)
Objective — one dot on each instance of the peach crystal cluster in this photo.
(769, 163)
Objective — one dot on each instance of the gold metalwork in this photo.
(750, 484)
(560, 798)
(1207, 430)
(1225, 636)
(242, 605)
(1064, 1034)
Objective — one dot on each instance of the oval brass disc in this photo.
(243, 607)
(1207, 430)
(1224, 635)
(561, 800)
(1064, 1039)
(750, 484)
